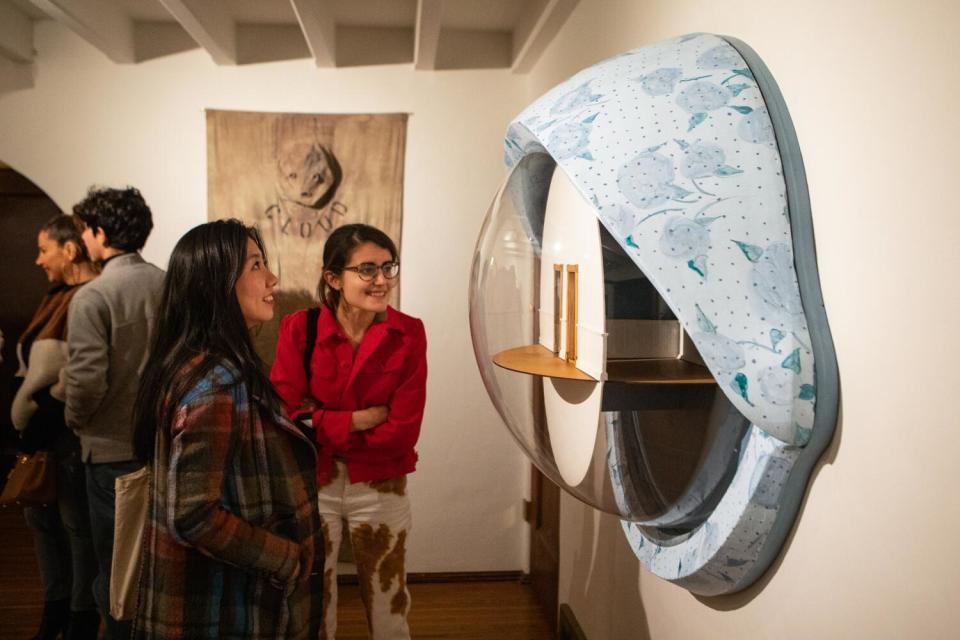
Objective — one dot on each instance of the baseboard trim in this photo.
(450, 576)
(569, 627)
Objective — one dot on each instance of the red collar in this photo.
(327, 325)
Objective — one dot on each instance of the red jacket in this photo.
(390, 368)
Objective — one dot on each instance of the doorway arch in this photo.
(24, 207)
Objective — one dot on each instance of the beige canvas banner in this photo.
(296, 177)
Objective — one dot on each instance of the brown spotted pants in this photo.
(377, 515)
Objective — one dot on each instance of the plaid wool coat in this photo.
(233, 511)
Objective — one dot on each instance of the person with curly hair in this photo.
(109, 329)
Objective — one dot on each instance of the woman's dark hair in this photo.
(122, 214)
(200, 326)
(63, 229)
(337, 251)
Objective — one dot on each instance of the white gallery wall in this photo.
(90, 121)
(873, 89)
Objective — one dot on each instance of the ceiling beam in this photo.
(209, 24)
(474, 49)
(427, 35)
(16, 34)
(319, 30)
(15, 75)
(536, 29)
(102, 23)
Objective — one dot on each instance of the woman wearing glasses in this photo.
(358, 377)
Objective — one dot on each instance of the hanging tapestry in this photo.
(296, 177)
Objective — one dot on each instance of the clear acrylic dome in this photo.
(653, 452)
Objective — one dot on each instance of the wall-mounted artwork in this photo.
(646, 310)
(296, 177)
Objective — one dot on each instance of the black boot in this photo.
(83, 625)
(54, 620)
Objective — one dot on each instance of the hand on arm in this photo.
(308, 404)
(405, 412)
(368, 418)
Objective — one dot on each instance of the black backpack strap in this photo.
(313, 316)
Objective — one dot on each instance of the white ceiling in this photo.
(430, 34)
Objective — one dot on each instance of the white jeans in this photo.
(378, 516)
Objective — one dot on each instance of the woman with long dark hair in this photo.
(232, 530)
(61, 532)
(358, 373)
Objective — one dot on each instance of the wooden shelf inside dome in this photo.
(537, 360)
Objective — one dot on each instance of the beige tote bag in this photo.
(133, 497)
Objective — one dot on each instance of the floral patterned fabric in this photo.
(673, 145)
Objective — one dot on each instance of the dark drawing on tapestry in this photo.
(296, 177)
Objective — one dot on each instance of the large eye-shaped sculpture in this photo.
(646, 310)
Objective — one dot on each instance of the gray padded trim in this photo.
(805, 262)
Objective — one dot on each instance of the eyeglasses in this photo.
(368, 270)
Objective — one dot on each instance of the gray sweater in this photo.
(109, 331)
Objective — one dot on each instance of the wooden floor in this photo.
(460, 610)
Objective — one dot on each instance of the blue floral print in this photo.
(775, 280)
(702, 96)
(722, 56)
(756, 127)
(723, 354)
(647, 180)
(679, 131)
(690, 184)
(660, 82)
(703, 160)
(571, 139)
(682, 238)
(777, 385)
(575, 100)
